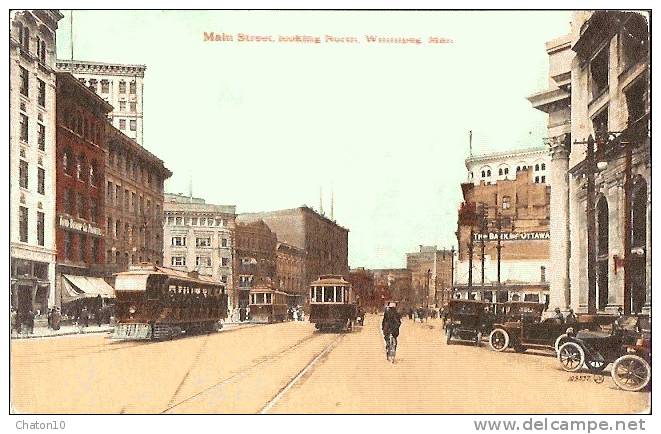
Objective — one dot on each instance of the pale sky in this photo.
(384, 126)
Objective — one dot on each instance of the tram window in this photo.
(268, 298)
(329, 294)
(313, 290)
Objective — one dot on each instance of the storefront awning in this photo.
(77, 287)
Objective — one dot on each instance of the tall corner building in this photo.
(120, 85)
(32, 133)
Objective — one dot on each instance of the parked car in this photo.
(466, 320)
(523, 328)
(633, 371)
(597, 349)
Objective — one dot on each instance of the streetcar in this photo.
(154, 302)
(267, 305)
(332, 304)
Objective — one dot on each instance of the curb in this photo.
(60, 334)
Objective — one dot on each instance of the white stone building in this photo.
(606, 55)
(199, 237)
(496, 166)
(32, 136)
(120, 85)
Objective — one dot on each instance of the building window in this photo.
(67, 245)
(543, 166)
(40, 228)
(23, 224)
(203, 242)
(25, 83)
(41, 99)
(223, 242)
(179, 221)
(24, 127)
(23, 174)
(599, 73)
(543, 179)
(93, 210)
(507, 170)
(133, 106)
(488, 173)
(122, 86)
(122, 106)
(41, 180)
(80, 168)
(122, 124)
(225, 262)
(95, 250)
(203, 261)
(506, 202)
(109, 227)
(636, 97)
(93, 173)
(536, 179)
(178, 261)
(635, 40)
(500, 172)
(24, 37)
(66, 201)
(80, 205)
(223, 278)
(118, 229)
(536, 167)
(41, 49)
(82, 246)
(133, 125)
(105, 86)
(179, 241)
(132, 87)
(41, 137)
(126, 199)
(483, 173)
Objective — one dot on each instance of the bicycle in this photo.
(391, 348)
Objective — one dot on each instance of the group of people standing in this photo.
(21, 321)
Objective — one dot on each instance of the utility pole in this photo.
(498, 246)
(592, 259)
(451, 272)
(470, 262)
(627, 228)
(482, 236)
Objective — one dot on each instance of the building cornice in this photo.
(540, 150)
(87, 67)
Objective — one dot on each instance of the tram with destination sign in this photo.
(332, 304)
(154, 302)
(267, 305)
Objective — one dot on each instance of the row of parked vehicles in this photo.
(590, 341)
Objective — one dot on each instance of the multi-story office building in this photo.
(431, 274)
(393, 284)
(32, 133)
(120, 85)
(498, 166)
(133, 221)
(199, 236)
(290, 271)
(516, 212)
(81, 156)
(324, 241)
(255, 258)
(602, 166)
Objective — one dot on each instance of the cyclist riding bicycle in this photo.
(390, 324)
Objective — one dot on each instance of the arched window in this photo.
(500, 172)
(93, 173)
(80, 168)
(602, 252)
(66, 157)
(483, 174)
(507, 171)
(536, 167)
(543, 166)
(488, 173)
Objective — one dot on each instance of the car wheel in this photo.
(631, 373)
(499, 340)
(596, 365)
(448, 333)
(571, 356)
(559, 341)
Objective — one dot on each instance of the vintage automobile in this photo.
(633, 371)
(466, 320)
(596, 349)
(523, 328)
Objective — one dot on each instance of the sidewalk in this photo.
(45, 332)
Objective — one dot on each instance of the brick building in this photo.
(362, 282)
(290, 272)
(516, 211)
(133, 221)
(254, 256)
(431, 275)
(81, 155)
(324, 241)
(32, 158)
(393, 284)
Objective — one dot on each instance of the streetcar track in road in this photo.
(307, 368)
(72, 353)
(242, 372)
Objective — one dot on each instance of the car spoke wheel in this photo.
(559, 341)
(499, 340)
(571, 357)
(631, 372)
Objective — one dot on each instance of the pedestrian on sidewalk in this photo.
(29, 322)
(50, 317)
(56, 318)
(85, 316)
(13, 318)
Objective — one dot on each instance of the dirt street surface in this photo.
(291, 368)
